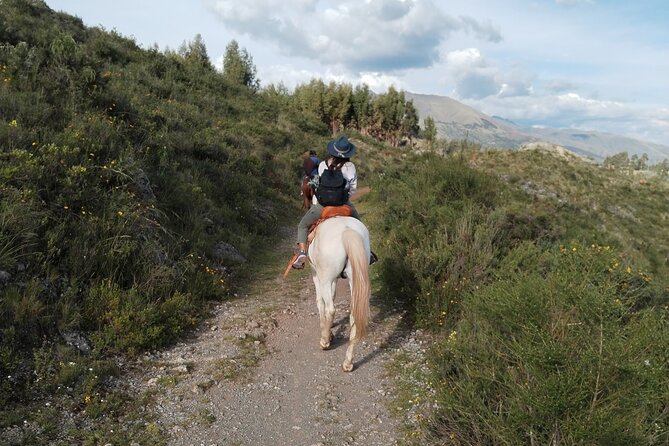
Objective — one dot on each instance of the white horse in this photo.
(341, 244)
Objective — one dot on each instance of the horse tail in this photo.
(360, 286)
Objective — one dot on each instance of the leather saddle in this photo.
(328, 212)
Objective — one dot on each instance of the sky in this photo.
(585, 64)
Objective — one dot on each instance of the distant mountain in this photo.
(455, 120)
(599, 145)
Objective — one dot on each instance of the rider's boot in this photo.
(301, 256)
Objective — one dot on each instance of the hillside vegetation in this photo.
(544, 282)
(137, 185)
(133, 186)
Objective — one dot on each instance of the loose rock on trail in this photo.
(253, 374)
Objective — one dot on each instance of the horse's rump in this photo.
(342, 244)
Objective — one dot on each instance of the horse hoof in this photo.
(324, 347)
(347, 367)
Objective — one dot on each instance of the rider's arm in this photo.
(349, 172)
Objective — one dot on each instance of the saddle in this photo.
(328, 212)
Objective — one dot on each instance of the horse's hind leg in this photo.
(347, 366)
(326, 309)
(319, 303)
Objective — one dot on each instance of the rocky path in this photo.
(253, 373)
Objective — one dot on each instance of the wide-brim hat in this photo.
(341, 148)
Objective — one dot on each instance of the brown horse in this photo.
(307, 192)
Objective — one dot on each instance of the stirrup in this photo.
(300, 260)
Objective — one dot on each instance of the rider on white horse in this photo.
(340, 151)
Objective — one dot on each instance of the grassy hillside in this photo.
(134, 186)
(544, 282)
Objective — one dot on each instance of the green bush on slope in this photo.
(121, 171)
(560, 348)
(541, 339)
(444, 228)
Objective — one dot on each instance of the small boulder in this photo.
(4, 277)
(77, 340)
(223, 251)
(209, 225)
(143, 186)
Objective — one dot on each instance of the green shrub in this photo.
(444, 228)
(128, 320)
(120, 171)
(588, 203)
(563, 347)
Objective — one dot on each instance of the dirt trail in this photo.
(253, 374)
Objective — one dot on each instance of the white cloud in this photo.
(287, 75)
(572, 110)
(560, 86)
(291, 77)
(475, 78)
(588, 107)
(485, 31)
(379, 82)
(369, 36)
(560, 110)
(514, 94)
(472, 76)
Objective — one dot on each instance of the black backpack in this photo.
(332, 188)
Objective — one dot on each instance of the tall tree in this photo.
(430, 131)
(618, 161)
(409, 125)
(195, 53)
(389, 110)
(310, 98)
(338, 106)
(362, 108)
(639, 163)
(238, 66)
(662, 168)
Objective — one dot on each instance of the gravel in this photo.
(253, 374)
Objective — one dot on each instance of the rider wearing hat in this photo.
(340, 151)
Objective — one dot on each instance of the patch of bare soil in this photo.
(253, 374)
